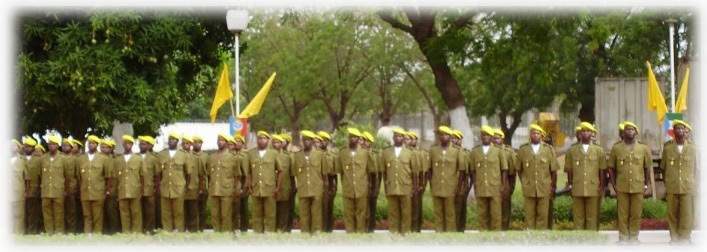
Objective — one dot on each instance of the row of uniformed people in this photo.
(405, 171)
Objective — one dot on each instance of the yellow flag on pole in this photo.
(656, 102)
(254, 106)
(681, 103)
(223, 93)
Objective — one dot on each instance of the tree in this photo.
(436, 40)
(87, 68)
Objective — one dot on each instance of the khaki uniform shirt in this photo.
(445, 167)
(536, 169)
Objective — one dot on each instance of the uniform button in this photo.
(308, 182)
(261, 174)
(260, 181)
(486, 181)
(396, 174)
(536, 181)
(585, 182)
(585, 174)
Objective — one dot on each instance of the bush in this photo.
(654, 209)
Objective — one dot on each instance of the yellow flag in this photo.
(223, 93)
(254, 106)
(681, 103)
(656, 101)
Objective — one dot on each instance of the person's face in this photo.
(535, 136)
(172, 142)
(231, 146)
(497, 139)
(238, 145)
(324, 143)
(75, 149)
(221, 143)
(53, 147)
(307, 143)
(105, 149)
(28, 149)
(367, 144)
(629, 132)
(263, 142)
(413, 142)
(585, 135)
(128, 146)
(353, 140)
(92, 146)
(197, 146)
(679, 131)
(143, 146)
(485, 139)
(398, 139)
(14, 148)
(276, 144)
(186, 145)
(318, 143)
(66, 148)
(38, 151)
(445, 139)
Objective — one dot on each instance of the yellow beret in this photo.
(238, 137)
(175, 135)
(458, 134)
(324, 134)
(39, 146)
(224, 136)
(147, 139)
(230, 139)
(445, 130)
(577, 129)
(683, 123)
(278, 138)
(263, 133)
(197, 138)
(54, 139)
(128, 138)
(487, 130)
(621, 126)
(627, 123)
(29, 141)
(309, 134)
(109, 142)
(355, 132)
(538, 128)
(589, 126)
(287, 137)
(17, 143)
(369, 137)
(499, 132)
(412, 134)
(68, 141)
(399, 131)
(187, 138)
(77, 142)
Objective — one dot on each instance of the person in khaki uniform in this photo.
(173, 176)
(416, 200)
(679, 164)
(460, 201)
(33, 202)
(447, 170)
(264, 181)
(498, 137)
(130, 178)
(628, 166)
(76, 151)
(400, 174)
(585, 165)
(20, 186)
(224, 174)
(293, 189)
(149, 207)
(330, 193)
(311, 171)
(489, 170)
(202, 159)
(240, 200)
(537, 169)
(366, 143)
(70, 206)
(94, 181)
(111, 211)
(358, 173)
(191, 195)
(284, 198)
(53, 177)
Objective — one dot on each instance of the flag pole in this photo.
(238, 82)
(671, 23)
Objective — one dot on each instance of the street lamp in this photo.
(237, 21)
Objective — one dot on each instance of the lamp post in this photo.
(671, 22)
(237, 21)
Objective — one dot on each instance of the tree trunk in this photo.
(509, 130)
